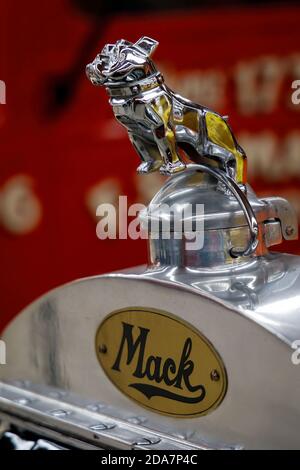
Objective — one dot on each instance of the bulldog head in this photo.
(123, 62)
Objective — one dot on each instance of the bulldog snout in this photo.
(89, 70)
(93, 74)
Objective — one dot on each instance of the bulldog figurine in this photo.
(164, 128)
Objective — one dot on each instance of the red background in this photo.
(66, 153)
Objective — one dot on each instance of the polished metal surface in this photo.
(227, 225)
(250, 313)
(264, 289)
(234, 189)
(69, 419)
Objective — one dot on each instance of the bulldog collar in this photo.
(136, 88)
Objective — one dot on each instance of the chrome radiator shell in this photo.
(52, 342)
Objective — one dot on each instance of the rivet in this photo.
(59, 413)
(103, 349)
(214, 375)
(102, 426)
(289, 230)
(146, 441)
(137, 420)
(95, 407)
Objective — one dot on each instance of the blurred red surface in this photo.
(207, 56)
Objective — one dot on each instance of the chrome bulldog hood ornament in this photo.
(162, 125)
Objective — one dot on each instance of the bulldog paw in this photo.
(147, 167)
(171, 168)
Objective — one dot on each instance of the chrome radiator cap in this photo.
(194, 203)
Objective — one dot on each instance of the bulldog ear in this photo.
(147, 45)
(106, 49)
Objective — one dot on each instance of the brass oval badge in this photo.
(161, 362)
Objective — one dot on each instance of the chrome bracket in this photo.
(281, 210)
(241, 197)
